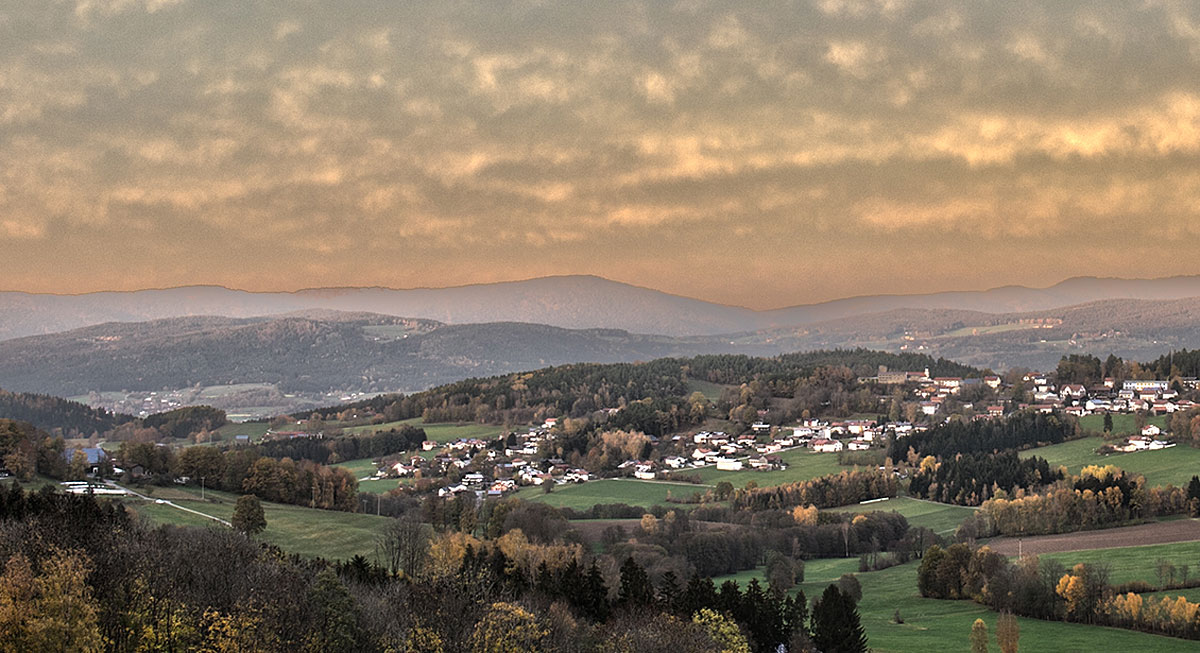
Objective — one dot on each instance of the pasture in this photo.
(937, 625)
(1132, 563)
(582, 496)
(363, 468)
(1174, 466)
(803, 465)
(295, 529)
(941, 518)
(437, 432)
(1123, 423)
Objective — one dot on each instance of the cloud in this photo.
(219, 141)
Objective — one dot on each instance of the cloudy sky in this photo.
(762, 154)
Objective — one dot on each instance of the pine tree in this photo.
(636, 590)
(835, 623)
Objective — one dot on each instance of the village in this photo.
(524, 459)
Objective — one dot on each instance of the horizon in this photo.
(605, 279)
(746, 155)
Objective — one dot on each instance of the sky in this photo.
(762, 154)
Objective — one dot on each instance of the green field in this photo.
(803, 465)
(296, 529)
(1176, 465)
(1123, 423)
(941, 518)
(1134, 563)
(365, 467)
(256, 430)
(582, 496)
(436, 432)
(711, 391)
(935, 625)
(1192, 593)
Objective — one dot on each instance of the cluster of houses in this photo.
(1151, 396)
(1147, 441)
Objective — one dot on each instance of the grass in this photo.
(803, 465)
(1192, 594)
(1134, 563)
(364, 468)
(1123, 423)
(435, 432)
(296, 529)
(256, 430)
(612, 490)
(942, 519)
(711, 391)
(1175, 466)
(936, 625)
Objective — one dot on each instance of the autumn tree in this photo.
(248, 515)
(1008, 632)
(507, 628)
(50, 611)
(979, 637)
(723, 630)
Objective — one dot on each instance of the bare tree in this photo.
(403, 546)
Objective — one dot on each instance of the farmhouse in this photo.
(825, 445)
(729, 464)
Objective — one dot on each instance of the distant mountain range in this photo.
(569, 302)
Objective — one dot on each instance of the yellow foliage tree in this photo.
(51, 611)
(507, 628)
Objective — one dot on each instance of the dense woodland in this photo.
(56, 415)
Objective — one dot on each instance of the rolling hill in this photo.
(570, 302)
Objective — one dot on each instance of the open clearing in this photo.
(1127, 564)
(1174, 466)
(582, 496)
(1123, 423)
(436, 432)
(941, 518)
(1178, 530)
(313, 533)
(803, 465)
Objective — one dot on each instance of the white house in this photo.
(729, 464)
(827, 446)
(1151, 430)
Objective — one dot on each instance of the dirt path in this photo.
(1180, 530)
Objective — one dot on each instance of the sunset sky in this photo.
(761, 154)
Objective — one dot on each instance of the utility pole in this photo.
(202, 488)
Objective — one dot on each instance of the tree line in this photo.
(1045, 589)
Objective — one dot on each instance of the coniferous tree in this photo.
(636, 590)
(835, 623)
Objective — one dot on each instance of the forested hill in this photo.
(58, 415)
(316, 352)
(655, 390)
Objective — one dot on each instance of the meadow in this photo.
(1132, 563)
(363, 468)
(295, 529)
(1123, 423)
(937, 625)
(802, 464)
(941, 518)
(437, 432)
(634, 492)
(1175, 465)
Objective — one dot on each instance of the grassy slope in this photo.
(943, 519)
(711, 391)
(1134, 563)
(934, 625)
(614, 490)
(365, 467)
(802, 466)
(308, 532)
(436, 432)
(1175, 465)
(1123, 424)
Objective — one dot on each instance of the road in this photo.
(168, 503)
